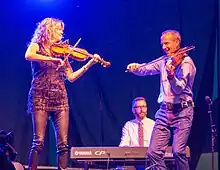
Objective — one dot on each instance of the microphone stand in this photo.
(213, 130)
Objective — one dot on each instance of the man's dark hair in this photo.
(137, 99)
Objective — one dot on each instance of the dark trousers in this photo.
(60, 121)
(180, 124)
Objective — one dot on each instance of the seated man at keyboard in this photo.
(137, 132)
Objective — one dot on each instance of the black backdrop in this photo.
(121, 31)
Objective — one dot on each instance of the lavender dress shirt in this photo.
(180, 87)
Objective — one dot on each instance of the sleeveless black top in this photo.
(47, 92)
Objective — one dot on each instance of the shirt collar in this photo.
(143, 120)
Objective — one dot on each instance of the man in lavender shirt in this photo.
(176, 102)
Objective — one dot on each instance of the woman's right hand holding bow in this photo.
(58, 61)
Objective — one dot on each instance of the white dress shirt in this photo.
(130, 132)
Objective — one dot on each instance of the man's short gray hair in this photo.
(175, 33)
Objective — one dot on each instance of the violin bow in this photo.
(183, 50)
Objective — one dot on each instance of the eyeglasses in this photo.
(140, 107)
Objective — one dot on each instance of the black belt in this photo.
(177, 106)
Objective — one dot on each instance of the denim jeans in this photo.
(60, 121)
(180, 124)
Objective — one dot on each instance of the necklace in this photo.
(47, 50)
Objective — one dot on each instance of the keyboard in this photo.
(115, 152)
(102, 157)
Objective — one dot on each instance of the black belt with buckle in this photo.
(177, 106)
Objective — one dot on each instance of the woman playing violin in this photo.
(47, 95)
(177, 72)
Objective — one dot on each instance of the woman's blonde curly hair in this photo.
(45, 29)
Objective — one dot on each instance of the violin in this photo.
(78, 54)
(177, 58)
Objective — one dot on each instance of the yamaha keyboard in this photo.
(113, 156)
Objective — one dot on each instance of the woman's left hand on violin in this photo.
(94, 60)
